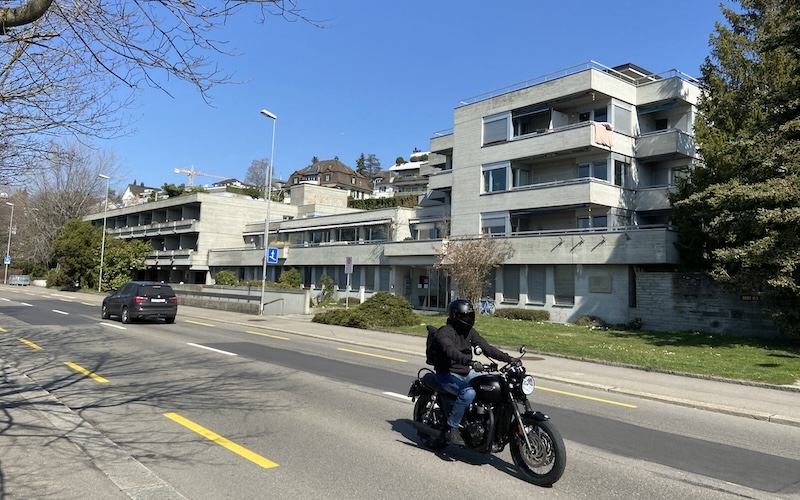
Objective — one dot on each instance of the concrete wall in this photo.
(244, 300)
(693, 302)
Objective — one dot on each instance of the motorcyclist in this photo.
(451, 355)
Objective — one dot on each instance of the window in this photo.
(564, 285)
(622, 174)
(376, 233)
(369, 275)
(322, 236)
(495, 177)
(601, 114)
(352, 180)
(347, 234)
(295, 180)
(494, 223)
(536, 284)
(662, 124)
(495, 129)
(598, 170)
(597, 221)
(530, 120)
(327, 177)
(511, 282)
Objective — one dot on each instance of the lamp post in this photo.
(103, 244)
(8, 248)
(268, 196)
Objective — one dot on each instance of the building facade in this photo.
(572, 168)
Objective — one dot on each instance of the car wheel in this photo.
(104, 314)
(169, 319)
(125, 317)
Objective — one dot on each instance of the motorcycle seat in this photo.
(429, 381)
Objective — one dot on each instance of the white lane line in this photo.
(26, 304)
(60, 312)
(114, 326)
(60, 295)
(212, 349)
(395, 395)
(5, 299)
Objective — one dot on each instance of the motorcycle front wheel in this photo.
(428, 412)
(544, 462)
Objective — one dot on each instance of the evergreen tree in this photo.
(361, 164)
(738, 214)
(372, 165)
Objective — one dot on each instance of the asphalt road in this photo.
(223, 411)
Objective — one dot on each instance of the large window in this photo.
(376, 233)
(511, 282)
(598, 170)
(346, 234)
(495, 129)
(494, 223)
(495, 177)
(596, 221)
(622, 174)
(564, 285)
(536, 284)
(530, 120)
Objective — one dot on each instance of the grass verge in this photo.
(759, 360)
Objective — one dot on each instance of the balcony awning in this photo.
(334, 226)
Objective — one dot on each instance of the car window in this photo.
(126, 288)
(153, 290)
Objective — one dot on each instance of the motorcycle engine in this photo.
(477, 420)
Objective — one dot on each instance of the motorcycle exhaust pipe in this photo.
(425, 429)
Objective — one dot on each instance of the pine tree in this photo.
(739, 213)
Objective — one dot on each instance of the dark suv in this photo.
(141, 300)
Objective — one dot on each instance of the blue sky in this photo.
(382, 77)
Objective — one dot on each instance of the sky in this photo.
(382, 77)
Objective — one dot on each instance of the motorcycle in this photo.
(500, 415)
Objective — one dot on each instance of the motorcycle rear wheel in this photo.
(436, 420)
(544, 463)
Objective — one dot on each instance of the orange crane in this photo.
(191, 172)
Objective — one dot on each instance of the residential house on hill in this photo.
(333, 174)
(136, 194)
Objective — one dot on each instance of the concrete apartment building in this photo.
(573, 168)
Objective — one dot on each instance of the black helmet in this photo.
(462, 313)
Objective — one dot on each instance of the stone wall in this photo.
(693, 302)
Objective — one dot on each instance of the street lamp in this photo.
(268, 196)
(103, 244)
(8, 248)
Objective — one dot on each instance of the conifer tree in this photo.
(739, 213)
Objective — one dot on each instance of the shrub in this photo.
(57, 278)
(328, 287)
(381, 310)
(590, 322)
(290, 279)
(386, 309)
(227, 278)
(342, 317)
(523, 314)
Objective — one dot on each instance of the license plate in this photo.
(158, 300)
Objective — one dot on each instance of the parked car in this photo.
(141, 300)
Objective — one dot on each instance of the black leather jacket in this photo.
(453, 349)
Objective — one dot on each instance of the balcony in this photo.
(654, 198)
(563, 141)
(442, 142)
(554, 194)
(680, 87)
(157, 229)
(671, 143)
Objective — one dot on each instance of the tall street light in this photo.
(8, 248)
(103, 245)
(268, 196)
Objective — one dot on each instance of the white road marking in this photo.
(395, 395)
(114, 326)
(26, 304)
(212, 349)
(60, 312)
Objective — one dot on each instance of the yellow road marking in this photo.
(373, 355)
(30, 344)
(267, 335)
(540, 388)
(225, 443)
(86, 372)
(198, 323)
(3, 330)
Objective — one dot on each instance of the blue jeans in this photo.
(459, 385)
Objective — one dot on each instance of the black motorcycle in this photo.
(499, 415)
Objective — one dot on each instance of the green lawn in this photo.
(758, 360)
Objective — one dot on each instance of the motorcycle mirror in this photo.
(478, 350)
(522, 350)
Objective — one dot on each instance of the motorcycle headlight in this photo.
(527, 385)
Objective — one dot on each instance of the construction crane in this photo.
(192, 173)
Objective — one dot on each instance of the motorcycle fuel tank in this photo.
(488, 388)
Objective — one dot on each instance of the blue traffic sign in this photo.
(7, 260)
(272, 255)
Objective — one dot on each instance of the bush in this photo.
(342, 317)
(57, 278)
(523, 314)
(290, 279)
(590, 322)
(328, 287)
(227, 278)
(385, 309)
(381, 310)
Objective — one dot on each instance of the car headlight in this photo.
(527, 384)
